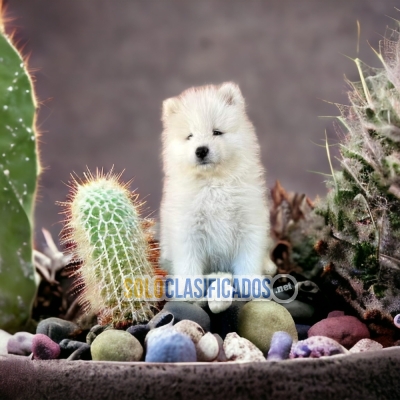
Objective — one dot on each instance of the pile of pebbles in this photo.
(254, 331)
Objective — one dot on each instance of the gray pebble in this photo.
(139, 332)
(68, 347)
(161, 319)
(81, 353)
(95, 331)
(57, 329)
(184, 310)
(302, 313)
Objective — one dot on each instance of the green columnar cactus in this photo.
(19, 169)
(361, 244)
(107, 236)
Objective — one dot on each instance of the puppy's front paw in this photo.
(217, 304)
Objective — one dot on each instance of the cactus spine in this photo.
(362, 210)
(107, 234)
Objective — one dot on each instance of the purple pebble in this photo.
(20, 344)
(171, 347)
(316, 347)
(281, 343)
(303, 351)
(44, 348)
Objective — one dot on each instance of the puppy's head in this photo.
(206, 130)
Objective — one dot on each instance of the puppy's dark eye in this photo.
(217, 133)
(191, 135)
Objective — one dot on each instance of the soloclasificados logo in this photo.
(203, 287)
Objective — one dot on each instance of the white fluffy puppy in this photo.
(214, 211)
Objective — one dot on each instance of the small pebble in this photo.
(183, 310)
(316, 347)
(191, 329)
(240, 349)
(69, 346)
(43, 348)
(115, 345)
(346, 330)
(82, 353)
(365, 345)
(139, 332)
(20, 343)
(259, 320)
(207, 348)
(281, 343)
(95, 331)
(4, 338)
(308, 291)
(171, 347)
(333, 314)
(161, 319)
(57, 329)
(302, 313)
(396, 320)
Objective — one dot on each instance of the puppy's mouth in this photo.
(204, 162)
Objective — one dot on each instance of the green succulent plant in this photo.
(107, 236)
(19, 169)
(361, 239)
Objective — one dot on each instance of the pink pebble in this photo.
(335, 314)
(44, 348)
(346, 330)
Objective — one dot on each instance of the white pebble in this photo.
(190, 328)
(207, 348)
(365, 345)
(240, 349)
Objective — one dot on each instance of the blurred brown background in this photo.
(103, 68)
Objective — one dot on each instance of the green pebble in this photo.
(114, 345)
(259, 320)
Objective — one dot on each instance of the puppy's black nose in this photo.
(201, 152)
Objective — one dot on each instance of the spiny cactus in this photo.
(361, 244)
(108, 237)
(19, 168)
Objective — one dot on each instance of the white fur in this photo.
(214, 217)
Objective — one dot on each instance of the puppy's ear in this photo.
(231, 93)
(170, 106)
